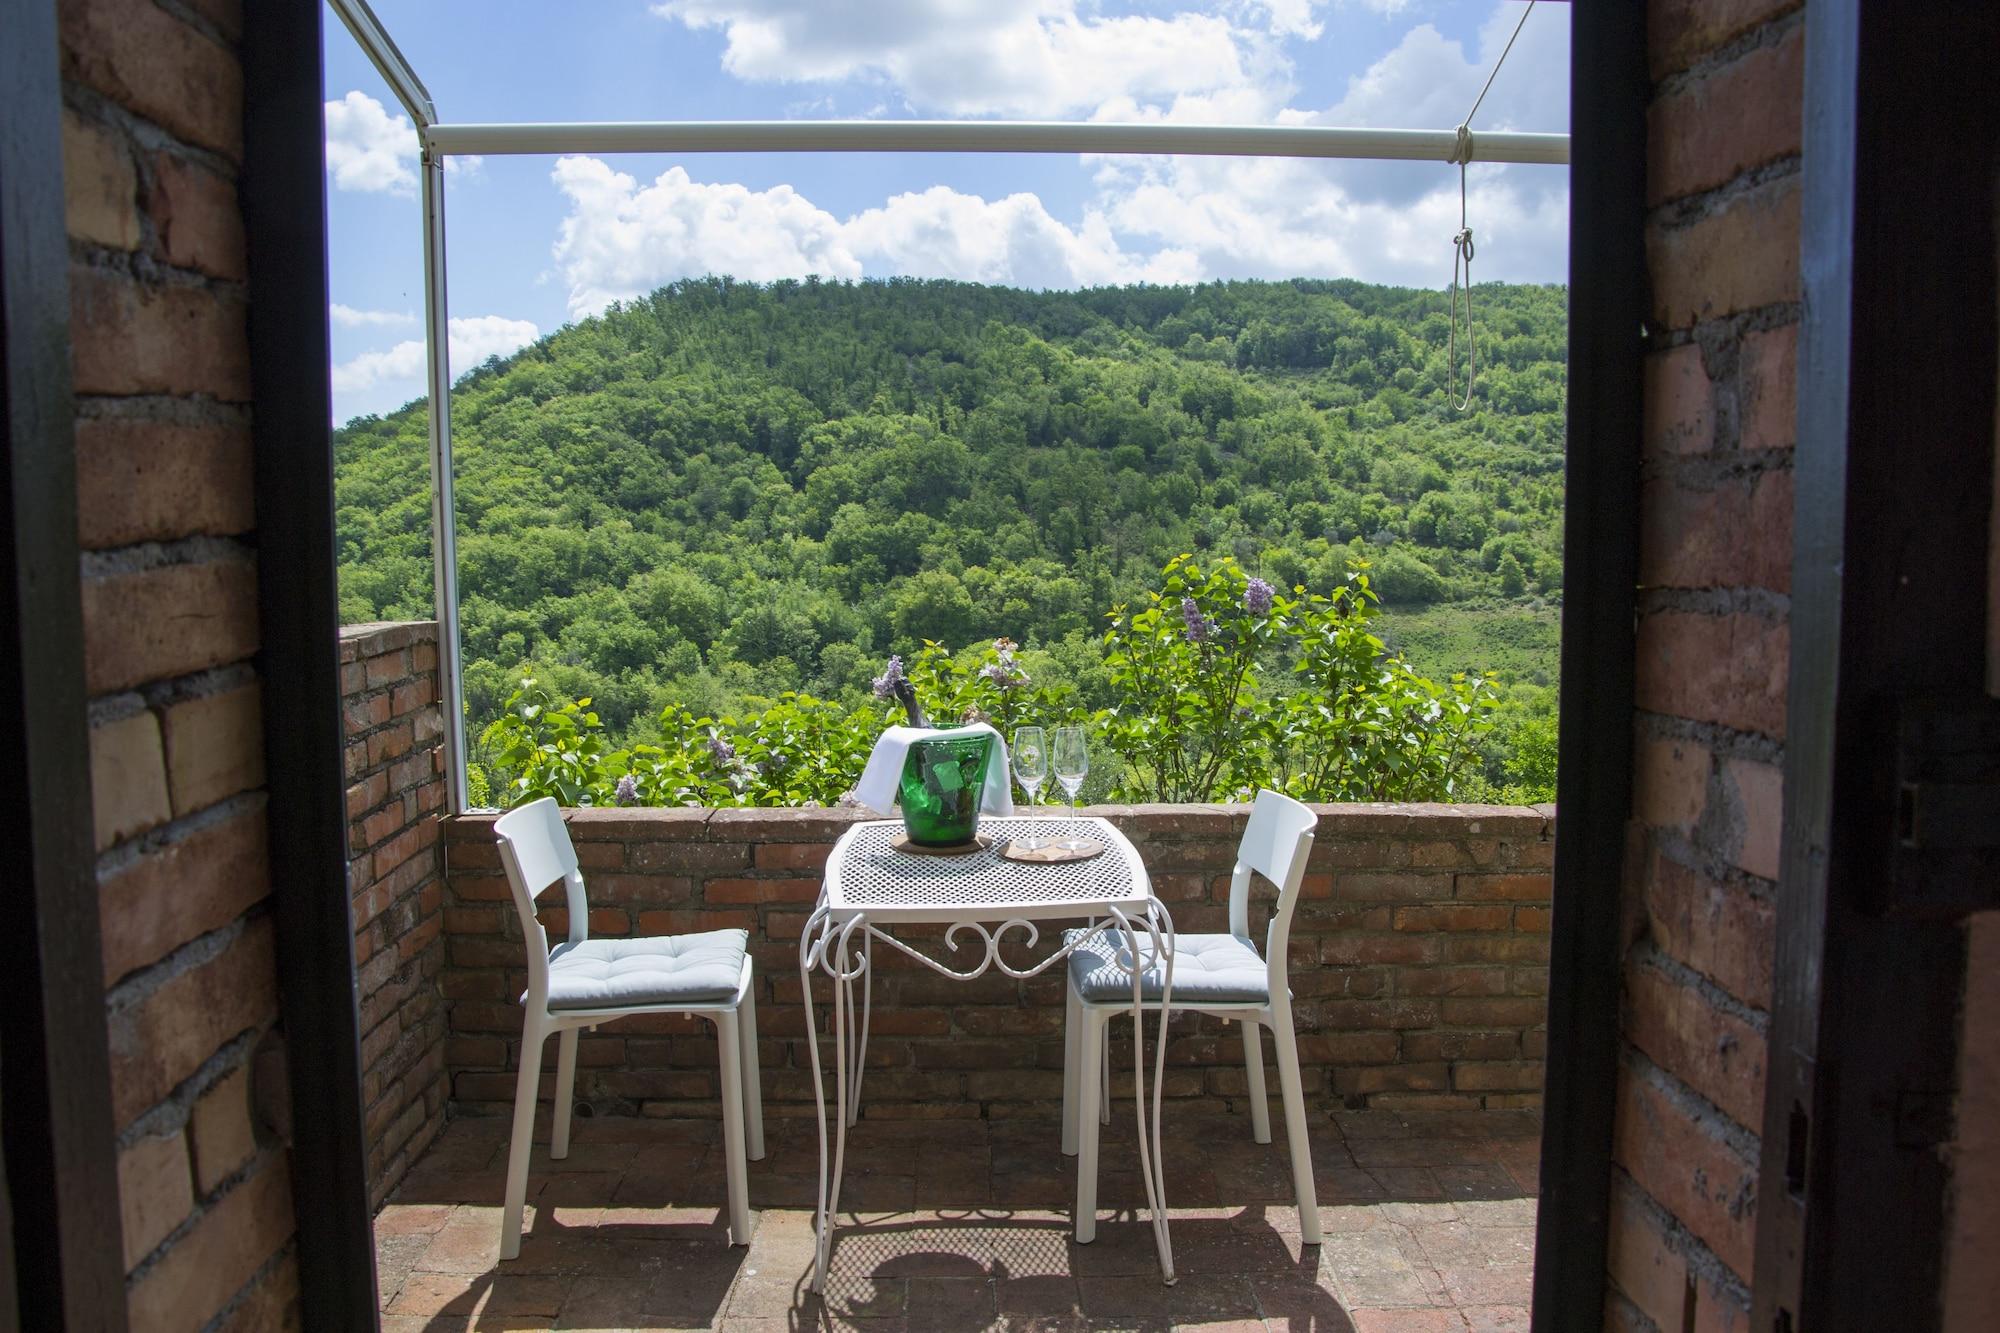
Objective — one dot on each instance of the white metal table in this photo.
(870, 886)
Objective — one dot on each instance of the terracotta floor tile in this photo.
(949, 1303)
(1297, 1303)
(1481, 1180)
(1406, 1321)
(1501, 1284)
(1137, 1294)
(1496, 1318)
(1053, 1296)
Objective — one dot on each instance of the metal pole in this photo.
(444, 514)
(389, 62)
(985, 136)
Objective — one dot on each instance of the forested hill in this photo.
(728, 489)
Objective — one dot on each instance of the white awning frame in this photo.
(1153, 139)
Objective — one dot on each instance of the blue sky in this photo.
(538, 241)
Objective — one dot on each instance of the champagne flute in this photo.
(1031, 768)
(1070, 759)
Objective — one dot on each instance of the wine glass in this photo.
(1031, 770)
(1071, 760)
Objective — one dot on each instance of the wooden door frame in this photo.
(1899, 342)
(283, 193)
(55, 1083)
(1608, 303)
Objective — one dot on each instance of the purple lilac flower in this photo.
(1199, 626)
(719, 746)
(891, 677)
(1257, 597)
(1004, 671)
(627, 791)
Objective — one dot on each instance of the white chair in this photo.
(1222, 975)
(583, 982)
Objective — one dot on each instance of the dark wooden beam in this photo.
(57, 1135)
(1898, 350)
(1607, 306)
(284, 215)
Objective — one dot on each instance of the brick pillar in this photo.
(395, 872)
(152, 136)
(1713, 655)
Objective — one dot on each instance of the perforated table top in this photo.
(866, 876)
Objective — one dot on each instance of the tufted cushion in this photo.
(669, 969)
(1208, 969)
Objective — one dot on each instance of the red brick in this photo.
(158, 67)
(1652, 1273)
(1452, 981)
(1505, 888)
(215, 747)
(155, 1192)
(1734, 533)
(207, 1267)
(1742, 257)
(1716, 127)
(133, 338)
(733, 891)
(1768, 380)
(1679, 32)
(1497, 1076)
(1453, 917)
(1679, 416)
(1392, 887)
(223, 1137)
(1461, 1045)
(162, 1038)
(1403, 1077)
(100, 185)
(1689, 1169)
(196, 217)
(1532, 920)
(1496, 949)
(1349, 949)
(141, 481)
(1715, 1053)
(1491, 1012)
(1759, 790)
(681, 922)
(1727, 669)
(187, 888)
(1670, 782)
(128, 778)
(166, 622)
(792, 855)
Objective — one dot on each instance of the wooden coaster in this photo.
(979, 843)
(1054, 853)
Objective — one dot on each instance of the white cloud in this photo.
(1035, 58)
(473, 339)
(372, 152)
(349, 318)
(621, 239)
(1151, 219)
(369, 150)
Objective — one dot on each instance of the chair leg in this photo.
(565, 1094)
(526, 1085)
(729, 1045)
(1090, 1040)
(753, 1079)
(1104, 1079)
(1253, 1077)
(1284, 1038)
(1072, 1019)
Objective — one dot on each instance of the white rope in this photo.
(1462, 248)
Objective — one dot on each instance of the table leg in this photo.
(1152, 1162)
(832, 951)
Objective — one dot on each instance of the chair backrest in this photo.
(535, 850)
(1275, 844)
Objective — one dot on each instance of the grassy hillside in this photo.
(727, 490)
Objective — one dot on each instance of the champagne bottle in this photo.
(906, 694)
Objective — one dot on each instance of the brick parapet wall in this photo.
(1713, 655)
(1419, 964)
(395, 874)
(151, 139)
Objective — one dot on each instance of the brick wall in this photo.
(152, 134)
(1419, 964)
(395, 872)
(1715, 560)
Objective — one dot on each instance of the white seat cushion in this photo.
(1208, 970)
(669, 969)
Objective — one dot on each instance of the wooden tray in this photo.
(1059, 852)
(979, 843)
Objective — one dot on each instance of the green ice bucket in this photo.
(943, 784)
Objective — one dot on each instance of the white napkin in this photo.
(879, 781)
